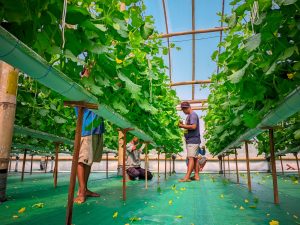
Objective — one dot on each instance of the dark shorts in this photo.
(138, 172)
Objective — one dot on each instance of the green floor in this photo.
(212, 201)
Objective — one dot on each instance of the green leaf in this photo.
(43, 112)
(133, 88)
(101, 27)
(165, 51)
(297, 134)
(287, 53)
(147, 30)
(59, 120)
(253, 42)
(116, 26)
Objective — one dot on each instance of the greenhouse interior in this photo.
(149, 112)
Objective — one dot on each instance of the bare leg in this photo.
(82, 183)
(89, 193)
(190, 170)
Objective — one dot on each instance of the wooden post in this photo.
(122, 144)
(165, 166)
(228, 165)
(158, 175)
(236, 167)
(296, 156)
(81, 106)
(274, 175)
(170, 167)
(17, 162)
(10, 159)
(146, 166)
(173, 158)
(8, 93)
(248, 166)
(224, 169)
(120, 152)
(56, 164)
(31, 161)
(46, 164)
(282, 169)
(107, 165)
(23, 166)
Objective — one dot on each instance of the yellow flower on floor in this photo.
(242, 208)
(115, 215)
(170, 202)
(290, 75)
(15, 216)
(182, 189)
(22, 210)
(179, 217)
(246, 201)
(274, 222)
(221, 196)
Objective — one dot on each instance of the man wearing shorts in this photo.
(192, 139)
(91, 148)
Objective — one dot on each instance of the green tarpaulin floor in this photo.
(212, 201)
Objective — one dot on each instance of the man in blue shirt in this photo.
(91, 148)
(192, 138)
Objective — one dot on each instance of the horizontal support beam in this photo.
(199, 101)
(193, 108)
(191, 82)
(202, 31)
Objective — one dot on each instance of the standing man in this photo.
(192, 139)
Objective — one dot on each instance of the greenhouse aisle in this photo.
(212, 201)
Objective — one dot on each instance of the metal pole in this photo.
(237, 168)
(56, 164)
(170, 167)
(124, 165)
(228, 165)
(31, 160)
(8, 93)
(174, 158)
(74, 166)
(146, 167)
(248, 166)
(272, 154)
(23, 166)
(120, 152)
(224, 169)
(106, 165)
(282, 169)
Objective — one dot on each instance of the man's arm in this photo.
(188, 127)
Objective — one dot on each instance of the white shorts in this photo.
(192, 150)
(91, 149)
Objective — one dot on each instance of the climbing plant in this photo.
(259, 66)
(118, 52)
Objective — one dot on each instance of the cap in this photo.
(185, 105)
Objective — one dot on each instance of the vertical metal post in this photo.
(120, 151)
(248, 166)
(224, 169)
(274, 175)
(46, 164)
(146, 167)
(74, 166)
(56, 164)
(124, 165)
(23, 166)
(282, 169)
(236, 167)
(228, 165)
(170, 167)
(165, 166)
(31, 161)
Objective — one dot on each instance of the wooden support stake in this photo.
(248, 166)
(274, 175)
(46, 163)
(282, 169)
(81, 106)
(296, 156)
(174, 158)
(106, 165)
(228, 165)
(158, 175)
(170, 166)
(146, 166)
(209, 30)
(236, 167)
(224, 169)
(23, 166)
(31, 161)
(165, 166)
(56, 164)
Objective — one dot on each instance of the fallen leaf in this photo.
(22, 210)
(182, 189)
(170, 202)
(242, 208)
(246, 201)
(15, 216)
(173, 187)
(135, 219)
(179, 217)
(296, 217)
(38, 205)
(252, 206)
(221, 196)
(115, 215)
(274, 222)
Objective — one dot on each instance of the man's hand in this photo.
(180, 123)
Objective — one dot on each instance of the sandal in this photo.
(185, 180)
